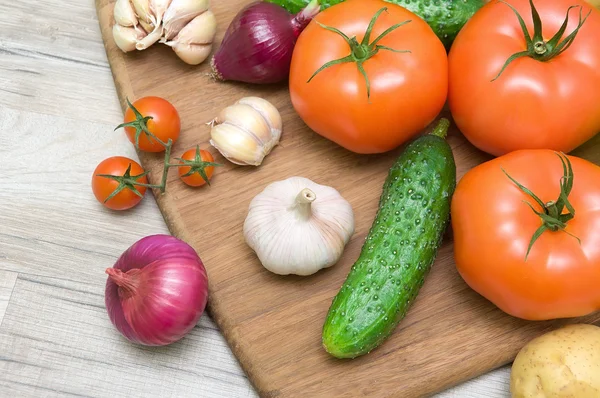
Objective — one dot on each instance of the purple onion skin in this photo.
(156, 291)
(258, 44)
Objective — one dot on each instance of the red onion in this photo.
(258, 44)
(156, 291)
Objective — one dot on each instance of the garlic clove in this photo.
(124, 14)
(149, 40)
(248, 119)
(200, 30)
(148, 26)
(126, 38)
(268, 111)
(158, 9)
(192, 54)
(142, 10)
(237, 145)
(179, 13)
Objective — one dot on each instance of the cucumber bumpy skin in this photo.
(445, 17)
(414, 210)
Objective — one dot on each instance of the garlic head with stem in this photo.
(246, 131)
(297, 226)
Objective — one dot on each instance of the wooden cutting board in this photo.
(273, 323)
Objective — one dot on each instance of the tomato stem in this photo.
(363, 51)
(196, 166)
(140, 124)
(538, 48)
(553, 214)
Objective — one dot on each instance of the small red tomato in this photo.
(199, 167)
(115, 180)
(149, 120)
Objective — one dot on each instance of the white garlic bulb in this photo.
(297, 226)
(246, 131)
(187, 26)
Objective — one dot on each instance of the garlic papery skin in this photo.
(126, 38)
(179, 13)
(124, 13)
(193, 44)
(246, 131)
(149, 40)
(142, 10)
(158, 8)
(297, 226)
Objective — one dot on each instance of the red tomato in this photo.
(549, 104)
(407, 90)
(121, 175)
(493, 227)
(200, 167)
(164, 123)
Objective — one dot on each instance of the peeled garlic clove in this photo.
(124, 14)
(248, 136)
(269, 112)
(297, 226)
(179, 13)
(126, 38)
(194, 42)
(149, 40)
(142, 10)
(158, 9)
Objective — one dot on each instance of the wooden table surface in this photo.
(58, 108)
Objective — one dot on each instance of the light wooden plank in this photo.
(52, 60)
(57, 339)
(494, 384)
(7, 282)
(51, 223)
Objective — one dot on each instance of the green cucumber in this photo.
(446, 17)
(414, 211)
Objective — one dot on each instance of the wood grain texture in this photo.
(56, 341)
(7, 283)
(273, 323)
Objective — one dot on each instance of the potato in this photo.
(559, 364)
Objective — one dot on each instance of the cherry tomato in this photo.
(114, 180)
(151, 117)
(200, 167)
(406, 90)
(495, 226)
(541, 101)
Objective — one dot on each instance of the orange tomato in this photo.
(493, 228)
(163, 124)
(201, 167)
(550, 104)
(407, 90)
(119, 174)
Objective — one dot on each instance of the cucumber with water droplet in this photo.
(414, 210)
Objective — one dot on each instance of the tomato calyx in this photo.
(361, 52)
(196, 166)
(140, 124)
(553, 215)
(538, 48)
(126, 181)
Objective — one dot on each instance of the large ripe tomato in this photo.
(407, 90)
(534, 103)
(119, 174)
(493, 228)
(163, 123)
